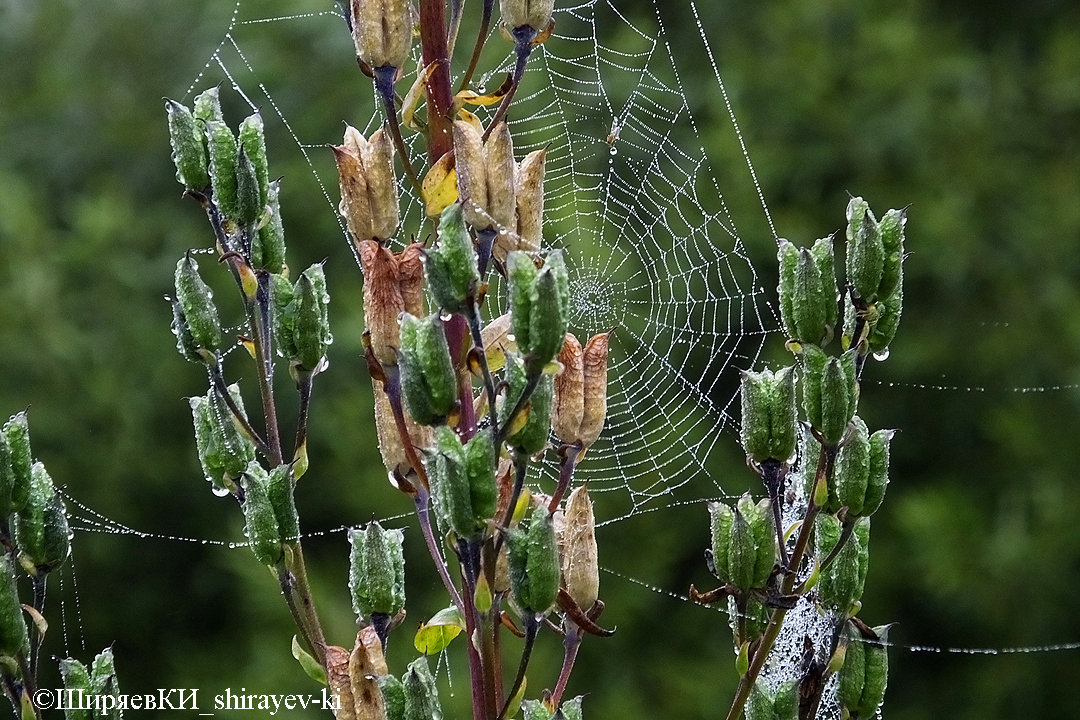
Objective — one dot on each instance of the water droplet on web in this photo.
(882, 355)
(445, 316)
(614, 150)
(219, 491)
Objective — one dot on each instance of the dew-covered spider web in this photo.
(654, 251)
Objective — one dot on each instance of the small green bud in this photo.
(480, 459)
(428, 380)
(522, 274)
(853, 673)
(808, 299)
(878, 475)
(451, 267)
(76, 678)
(876, 674)
(788, 256)
(281, 312)
(268, 246)
(722, 517)
(185, 342)
(421, 695)
(535, 710)
(892, 241)
(450, 484)
(534, 565)
(208, 105)
(17, 439)
(224, 451)
(7, 478)
(822, 251)
(533, 435)
(253, 142)
(222, 148)
(310, 321)
(570, 709)
(743, 542)
(888, 321)
(852, 472)
(768, 414)
(376, 571)
(865, 251)
(41, 528)
(830, 391)
(261, 525)
(807, 291)
(197, 306)
(188, 147)
(766, 704)
(248, 207)
(393, 693)
(549, 302)
(103, 682)
(13, 636)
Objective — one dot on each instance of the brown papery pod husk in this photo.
(568, 405)
(411, 279)
(595, 360)
(530, 201)
(378, 161)
(471, 173)
(391, 447)
(337, 675)
(382, 300)
(500, 168)
(355, 204)
(382, 31)
(580, 564)
(366, 664)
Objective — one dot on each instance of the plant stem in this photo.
(440, 96)
(776, 621)
(526, 394)
(481, 38)
(521, 467)
(258, 323)
(456, 7)
(532, 628)
(303, 385)
(301, 591)
(217, 379)
(37, 580)
(571, 643)
(468, 555)
(423, 515)
(524, 36)
(568, 457)
(478, 343)
(29, 685)
(384, 85)
(392, 388)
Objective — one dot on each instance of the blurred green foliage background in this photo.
(967, 111)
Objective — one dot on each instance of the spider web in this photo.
(652, 248)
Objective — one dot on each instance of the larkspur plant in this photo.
(462, 409)
(804, 548)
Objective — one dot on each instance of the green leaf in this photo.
(311, 665)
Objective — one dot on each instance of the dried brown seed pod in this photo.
(382, 299)
(595, 361)
(567, 410)
(580, 568)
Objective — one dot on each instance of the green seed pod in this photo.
(822, 251)
(570, 709)
(788, 256)
(253, 142)
(13, 636)
(765, 539)
(852, 674)
(842, 583)
(311, 323)
(450, 484)
(892, 241)
(451, 267)
(222, 149)
(208, 105)
(549, 302)
(428, 380)
(759, 705)
(197, 305)
(7, 478)
(876, 674)
(522, 274)
(722, 517)
(185, 342)
(248, 207)
(765, 704)
(808, 300)
(279, 488)
(421, 695)
(757, 619)
(535, 710)
(103, 682)
(888, 321)
(534, 565)
(768, 415)
(742, 551)
(862, 535)
(17, 439)
(76, 679)
(849, 485)
(281, 298)
(878, 470)
(393, 693)
(786, 704)
(838, 396)
(261, 525)
(813, 360)
(865, 250)
(533, 435)
(268, 247)
(188, 147)
(480, 459)
(41, 530)
(376, 571)
(224, 451)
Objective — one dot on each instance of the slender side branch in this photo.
(524, 37)
(303, 385)
(384, 84)
(532, 628)
(217, 379)
(423, 515)
(478, 343)
(481, 38)
(571, 643)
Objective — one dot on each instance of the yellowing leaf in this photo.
(434, 636)
(440, 186)
(472, 119)
(311, 665)
(412, 98)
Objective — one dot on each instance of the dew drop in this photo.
(882, 355)
(614, 150)
(445, 316)
(219, 491)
